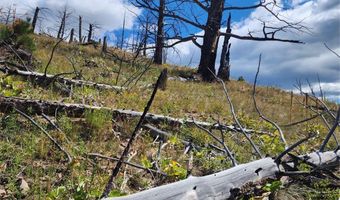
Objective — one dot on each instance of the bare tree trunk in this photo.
(8, 15)
(123, 33)
(62, 24)
(224, 70)
(104, 49)
(89, 37)
(145, 36)
(227, 184)
(80, 27)
(210, 40)
(160, 34)
(71, 35)
(35, 18)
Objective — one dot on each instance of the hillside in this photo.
(27, 156)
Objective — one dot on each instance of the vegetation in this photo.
(27, 155)
(20, 33)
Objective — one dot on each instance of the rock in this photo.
(2, 193)
(24, 186)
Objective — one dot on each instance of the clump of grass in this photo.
(97, 118)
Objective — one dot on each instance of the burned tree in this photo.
(80, 32)
(104, 48)
(71, 35)
(160, 34)
(63, 15)
(62, 25)
(156, 9)
(224, 70)
(35, 18)
(211, 24)
(89, 36)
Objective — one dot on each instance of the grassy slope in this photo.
(23, 149)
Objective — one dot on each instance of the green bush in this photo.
(5, 32)
(241, 79)
(19, 33)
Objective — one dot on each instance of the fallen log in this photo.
(225, 184)
(40, 78)
(78, 110)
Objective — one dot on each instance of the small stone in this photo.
(24, 187)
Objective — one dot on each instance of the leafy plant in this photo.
(146, 162)
(173, 168)
(11, 87)
(272, 145)
(273, 186)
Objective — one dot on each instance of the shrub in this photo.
(19, 33)
(241, 79)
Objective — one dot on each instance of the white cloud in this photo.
(108, 14)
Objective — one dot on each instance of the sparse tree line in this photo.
(163, 24)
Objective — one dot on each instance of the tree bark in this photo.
(71, 35)
(104, 49)
(224, 70)
(158, 57)
(210, 40)
(80, 30)
(145, 36)
(62, 26)
(226, 184)
(40, 78)
(89, 37)
(35, 18)
(78, 110)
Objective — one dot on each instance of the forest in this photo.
(93, 105)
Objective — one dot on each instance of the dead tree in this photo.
(123, 32)
(62, 25)
(224, 70)
(227, 184)
(211, 26)
(35, 18)
(158, 10)
(71, 35)
(158, 57)
(80, 30)
(89, 36)
(104, 48)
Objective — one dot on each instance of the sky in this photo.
(282, 63)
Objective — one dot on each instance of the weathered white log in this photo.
(40, 77)
(221, 185)
(154, 118)
(78, 110)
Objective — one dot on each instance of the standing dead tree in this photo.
(63, 15)
(80, 30)
(224, 70)
(158, 57)
(35, 18)
(90, 32)
(71, 35)
(211, 25)
(163, 31)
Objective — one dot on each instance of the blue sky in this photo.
(282, 63)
